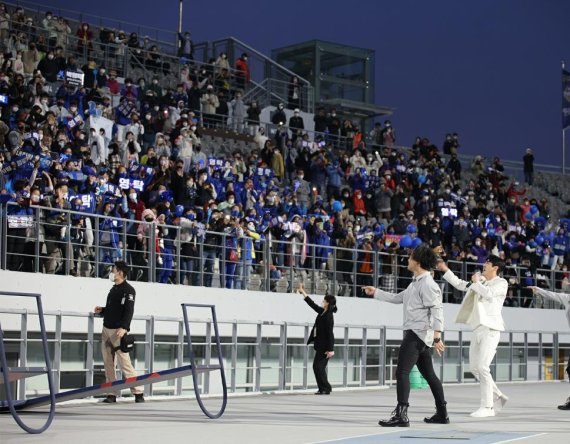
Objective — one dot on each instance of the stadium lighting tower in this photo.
(180, 16)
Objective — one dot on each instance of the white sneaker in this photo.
(483, 412)
(500, 401)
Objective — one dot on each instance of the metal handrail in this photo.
(320, 272)
(293, 335)
(103, 22)
(262, 56)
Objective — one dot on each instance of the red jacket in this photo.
(242, 66)
(359, 206)
(114, 86)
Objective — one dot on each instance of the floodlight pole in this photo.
(180, 4)
(563, 129)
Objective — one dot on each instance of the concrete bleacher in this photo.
(223, 142)
(556, 189)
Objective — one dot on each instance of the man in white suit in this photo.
(563, 299)
(481, 310)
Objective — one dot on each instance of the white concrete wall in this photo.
(82, 294)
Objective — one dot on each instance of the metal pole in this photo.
(234, 357)
(180, 355)
(180, 18)
(563, 129)
(563, 151)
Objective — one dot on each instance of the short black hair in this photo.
(425, 256)
(122, 267)
(496, 261)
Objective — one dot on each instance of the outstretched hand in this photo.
(369, 290)
(533, 288)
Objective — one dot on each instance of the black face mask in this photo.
(148, 219)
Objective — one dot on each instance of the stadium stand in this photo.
(113, 148)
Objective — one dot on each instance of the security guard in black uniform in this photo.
(117, 316)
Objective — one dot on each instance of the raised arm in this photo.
(453, 280)
(490, 292)
(561, 298)
(308, 300)
(381, 295)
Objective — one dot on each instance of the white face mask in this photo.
(112, 277)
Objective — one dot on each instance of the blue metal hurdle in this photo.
(193, 369)
(17, 373)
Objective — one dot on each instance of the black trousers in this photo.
(320, 368)
(414, 351)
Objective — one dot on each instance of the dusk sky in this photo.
(487, 69)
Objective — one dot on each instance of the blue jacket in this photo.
(560, 245)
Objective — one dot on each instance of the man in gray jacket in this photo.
(481, 310)
(563, 299)
(423, 324)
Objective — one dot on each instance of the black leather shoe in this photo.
(139, 397)
(110, 399)
(399, 417)
(319, 393)
(565, 406)
(440, 416)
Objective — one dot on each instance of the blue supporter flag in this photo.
(565, 99)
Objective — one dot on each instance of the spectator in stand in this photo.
(84, 40)
(278, 164)
(294, 93)
(185, 46)
(528, 166)
(388, 134)
(243, 75)
(296, 124)
(4, 23)
(210, 103)
(320, 120)
(279, 117)
(253, 112)
(238, 112)
(222, 63)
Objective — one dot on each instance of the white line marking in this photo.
(357, 436)
(521, 438)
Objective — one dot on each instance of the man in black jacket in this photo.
(117, 316)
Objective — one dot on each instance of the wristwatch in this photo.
(436, 340)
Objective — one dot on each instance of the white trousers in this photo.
(481, 353)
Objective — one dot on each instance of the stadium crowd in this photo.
(80, 139)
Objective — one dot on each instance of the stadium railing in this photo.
(262, 356)
(75, 243)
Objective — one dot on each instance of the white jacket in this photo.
(561, 298)
(483, 303)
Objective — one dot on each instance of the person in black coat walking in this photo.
(322, 337)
